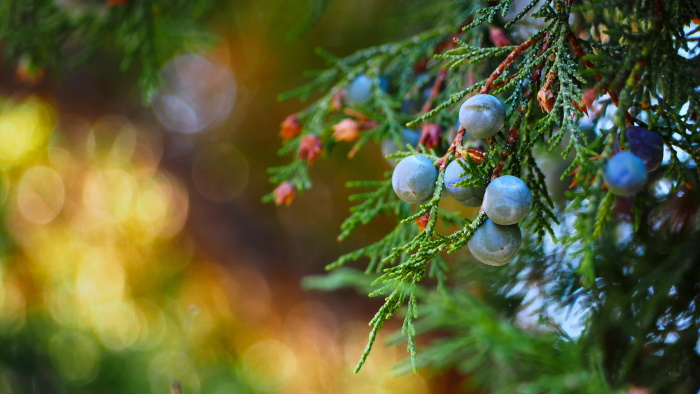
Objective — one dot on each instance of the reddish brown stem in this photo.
(510, 142)
(515, 130)
(434, 91)
(498, 85)
(513, 134)
(538, 70)
(444, 45)
(456, 143)
(489, 84)
(507, 62)
(576, 45)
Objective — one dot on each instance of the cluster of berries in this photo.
(505, 201)
(483, 116)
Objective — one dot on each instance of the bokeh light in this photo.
(196, 94)
(24, 129)
(75, 356)
(135, 255)
(270, 363)
(40, 194)
(106, 281)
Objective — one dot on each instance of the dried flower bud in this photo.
(475, 144)
(477, 155)
(284, 194)
(498, 37)
(290, 127)
(310, 148)
(546, 96)
(431, 135)
(546, 99)
(422, 221)
(346, 130)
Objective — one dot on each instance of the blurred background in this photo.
(135, 254)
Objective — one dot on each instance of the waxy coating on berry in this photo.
(482, 115)
(360, 89)
(494, 244)
(507, 200)
(467, 196)
(414, 179)
(646, 145)
(625, 174)
(389, 147)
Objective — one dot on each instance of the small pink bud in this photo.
(290, 127)
(310, 148)
(284, 194)
(346, 130)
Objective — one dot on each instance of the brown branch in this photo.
(502, 83)
(510, 142)
(515, 129)
(456, 143)
(434, 91)
(513, 133)
(507, 62)
(576, 45)
(449, 43)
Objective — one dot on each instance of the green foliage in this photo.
(143, 34)
(503, 357)
(572, 86)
